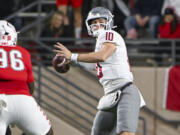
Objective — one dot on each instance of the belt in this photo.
(121, 88)
(126, 85)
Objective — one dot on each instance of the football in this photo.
(59, 64)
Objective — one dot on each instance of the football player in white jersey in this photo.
(118, 109)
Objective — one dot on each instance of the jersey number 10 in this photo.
(109, 36)
(15, 59)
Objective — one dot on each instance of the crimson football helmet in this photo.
(96, 13)
(8, 34)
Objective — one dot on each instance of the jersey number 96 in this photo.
(15, 57)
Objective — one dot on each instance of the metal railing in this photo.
(86, 130)
(173, 123)
(58, 112)
(75, 121)
(139, 52)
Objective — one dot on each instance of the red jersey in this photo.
(165, 31)
(15, 70)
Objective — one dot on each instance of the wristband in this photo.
(74, 57)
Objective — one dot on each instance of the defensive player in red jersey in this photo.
(17, 106)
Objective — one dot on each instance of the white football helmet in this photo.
(96, 13)
(8, 34)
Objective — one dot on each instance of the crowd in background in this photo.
(133, 18)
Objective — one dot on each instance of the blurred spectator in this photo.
(146, 13)
(170, 25)
(169, 28)
(62, 6)
(55, 28)
(122, 9)
(172, 3)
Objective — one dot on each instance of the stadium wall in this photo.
(150, 81)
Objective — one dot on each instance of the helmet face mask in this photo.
(100, 25)
(96, 28)
(99, 13)
(8, 34)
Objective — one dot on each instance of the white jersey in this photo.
(115, 71)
